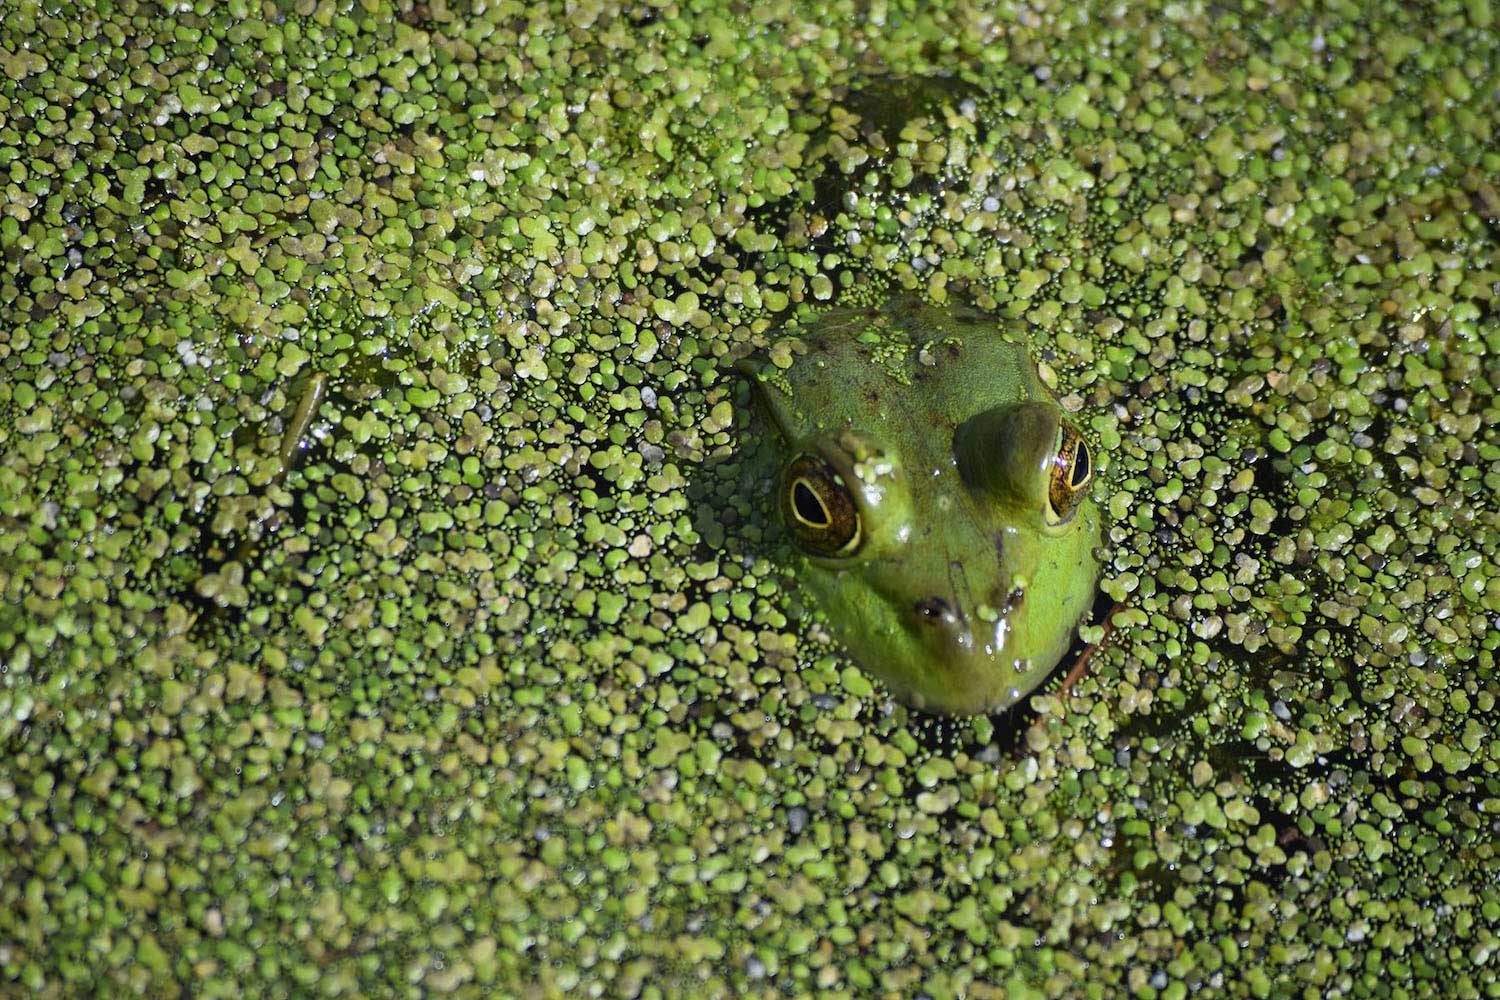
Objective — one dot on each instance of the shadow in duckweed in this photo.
(865, 128)
(852, 163)
(233, 530)
(730, 489)
(729, 496)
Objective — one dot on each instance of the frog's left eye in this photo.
(1070, 470)
(818, 508)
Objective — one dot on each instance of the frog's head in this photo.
(941, 498)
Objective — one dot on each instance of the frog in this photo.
(938, 498)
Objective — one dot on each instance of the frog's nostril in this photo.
(945, 631)
(1013, 601)
(934, 611)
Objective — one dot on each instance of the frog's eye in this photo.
(1070, 471)
(818, 508)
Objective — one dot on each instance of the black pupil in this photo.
(1080, 466)
(808, 506)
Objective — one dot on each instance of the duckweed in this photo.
(389, 603)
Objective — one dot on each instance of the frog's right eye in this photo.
(818, 508)
(1070, 469)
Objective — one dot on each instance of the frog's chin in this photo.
(973, 685)
(953, 668)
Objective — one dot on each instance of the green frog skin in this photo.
(941, 499)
